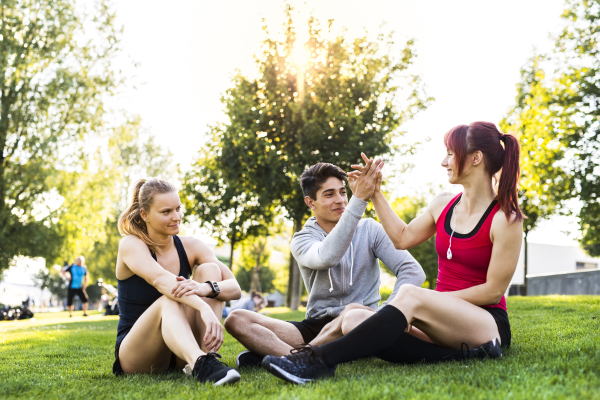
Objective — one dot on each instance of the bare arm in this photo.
(230, 289)
(507, 239)
(134, 254)
(403, 235)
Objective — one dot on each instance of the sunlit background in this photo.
(469, 54)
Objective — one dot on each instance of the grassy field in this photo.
(555, 354)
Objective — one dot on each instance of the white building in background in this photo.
(549, 259)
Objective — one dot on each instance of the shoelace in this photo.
(468, 354)
(209, 359)
(302, 351)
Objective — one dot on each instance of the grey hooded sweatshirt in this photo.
(341, 267)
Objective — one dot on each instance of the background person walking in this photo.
(78, 277)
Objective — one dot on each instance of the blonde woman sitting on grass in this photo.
(167, 319)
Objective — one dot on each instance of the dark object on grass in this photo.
(248, 359)
(14, 313)
(209, 369)
(304, 365)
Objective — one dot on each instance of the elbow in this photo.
(422, 277)
(398, 245)
(496, 296)
(237, 293)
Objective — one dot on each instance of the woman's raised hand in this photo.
(366, 180)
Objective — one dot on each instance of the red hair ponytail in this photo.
(485, 137)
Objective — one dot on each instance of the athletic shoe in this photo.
(248, 359)
(302, 366)
(208, 369)
(85, 315)
(491, 349)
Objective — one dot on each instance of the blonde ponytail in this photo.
(142, 198)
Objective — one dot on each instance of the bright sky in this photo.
(469, 56)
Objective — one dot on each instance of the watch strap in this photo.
(215, 288)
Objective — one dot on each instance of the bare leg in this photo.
(71, 307)
(334, 330)
(446, 319)
(163, 328)
(85, 307)
(261, 334)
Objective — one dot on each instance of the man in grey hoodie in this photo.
(337, 252)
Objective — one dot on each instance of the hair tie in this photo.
(503, 138)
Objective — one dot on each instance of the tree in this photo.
(55, 78)
(253, 271)
(132, 154)
(216, 192)
(545, 183)
(52, 280)
(576, 101)
(338, 100)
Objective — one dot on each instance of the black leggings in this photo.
(382, 335)
(409, 349)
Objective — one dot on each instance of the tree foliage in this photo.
(545, 182)
(132, 154)
(557, 115)
(345, 97)
(55, 78)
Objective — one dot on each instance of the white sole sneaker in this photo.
(232, 376)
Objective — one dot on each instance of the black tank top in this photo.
(136, 295)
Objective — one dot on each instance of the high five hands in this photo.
(366, 180)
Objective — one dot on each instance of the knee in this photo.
(207, 272)
(356, 306)
(353, 318)
(237, 318)
(407, 294)
(169, 306)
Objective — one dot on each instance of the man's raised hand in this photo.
(364, 181)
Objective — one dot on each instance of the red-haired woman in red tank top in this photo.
(478, 241)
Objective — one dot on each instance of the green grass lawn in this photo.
(555, 354)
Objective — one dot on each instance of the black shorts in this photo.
(311, 327)
(79, 292)
(501, 318)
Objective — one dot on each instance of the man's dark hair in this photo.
(313, 178)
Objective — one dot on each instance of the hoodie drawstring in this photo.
(351, 266)
(351, 262)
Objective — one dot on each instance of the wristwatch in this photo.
(215, 289)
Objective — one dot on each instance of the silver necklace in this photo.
(449, 253)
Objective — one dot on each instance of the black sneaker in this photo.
(302, 366)
(491, 349)
(248, 359)
(209, 369)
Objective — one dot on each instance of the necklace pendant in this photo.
(449, 254)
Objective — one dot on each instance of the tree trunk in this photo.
(255, 284)
(525, 262)
(295, 279)
(232, 241)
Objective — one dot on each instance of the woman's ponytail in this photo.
(142, 196)
(508, 196)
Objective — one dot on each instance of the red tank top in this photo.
(471, 253)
